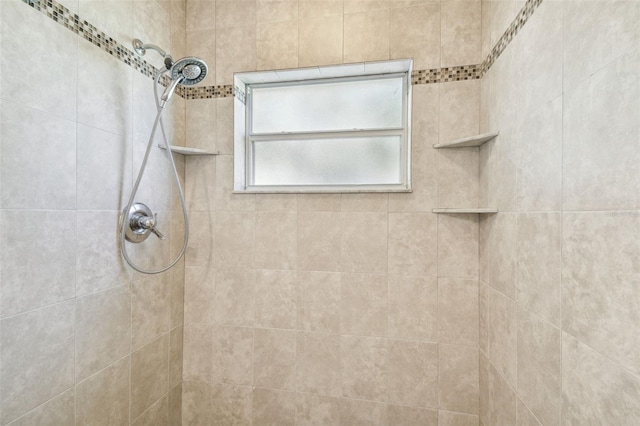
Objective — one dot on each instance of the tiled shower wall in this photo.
(328, 309)
(84, 339)
(559, 269)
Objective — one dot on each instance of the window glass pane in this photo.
(343, 161)
(346, 105)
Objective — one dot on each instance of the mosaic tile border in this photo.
(72, 21)
(516, 25)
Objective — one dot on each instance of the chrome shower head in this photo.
(192, 70)
(186, 71)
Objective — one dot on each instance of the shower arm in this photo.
(141, 48)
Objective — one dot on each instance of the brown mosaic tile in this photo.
(84, 29)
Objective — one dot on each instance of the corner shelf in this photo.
(466, 211)
(468, 142)
(188, 151)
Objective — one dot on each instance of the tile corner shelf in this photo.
(466, 211)
(188, 151)
(468, 142)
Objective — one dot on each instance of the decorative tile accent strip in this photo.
(521, 18)
(72, 21)
(443, 75)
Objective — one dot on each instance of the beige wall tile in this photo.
(413, 308)
(540, 264)
(540, 159)
(484, 295)
(318, 361)
(200, 14)
(274, 359)
(276, 10)
(200, 123)
(424, 195)
(176, 361)
(320, 202)
(149, 374)
(234, 301)
(313, 409)
(36, 274)
(277, 202)
(231, 404)
(594, 389)
(539, 357)
(459, 112)
(406, 416)
(457, 245)
(224, 125)
(199, 291)
(232, 13)
(235, 51)
(198, 353)
(363, 246)
(102, 331)
(156, 415)
(364, 367)
(501, 254)
(234, 239)
(59, 411)
(233, 355)
(225, 199)
(412, 244)
(412, 371)
(363, 304)
(319, 241)
(314, 8)
(52, 85)
(365, 202)
(603, 109)
(425, 108)
(414, 32)
(503, 336)
(360, 413)
(599, 283)
(103, 399)
(175, 405)
(366, 36)
(277, 45)
(200, 183)
(196, 403)
(447, 418)
(524, 416)
(276, 299)
(458, 379)
(458, 172)
(30, 179)
(99, 264)
(276, 240)
(37, 358)
(150, 309)
(107, 105)
(103, 169)
(318, 303)
(273, 407)
(458, 312)
(502, 406)
(461, 33)
(320, 39)
(591, 42)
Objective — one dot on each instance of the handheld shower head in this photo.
(186, 71)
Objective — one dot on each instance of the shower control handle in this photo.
(140, 222)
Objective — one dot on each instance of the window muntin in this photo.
(346, 133)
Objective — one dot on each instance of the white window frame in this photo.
(243, 138)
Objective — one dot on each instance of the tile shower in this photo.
(324, 308)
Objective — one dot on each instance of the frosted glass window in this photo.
(340, 161)
(343, 128)
(315, 107)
